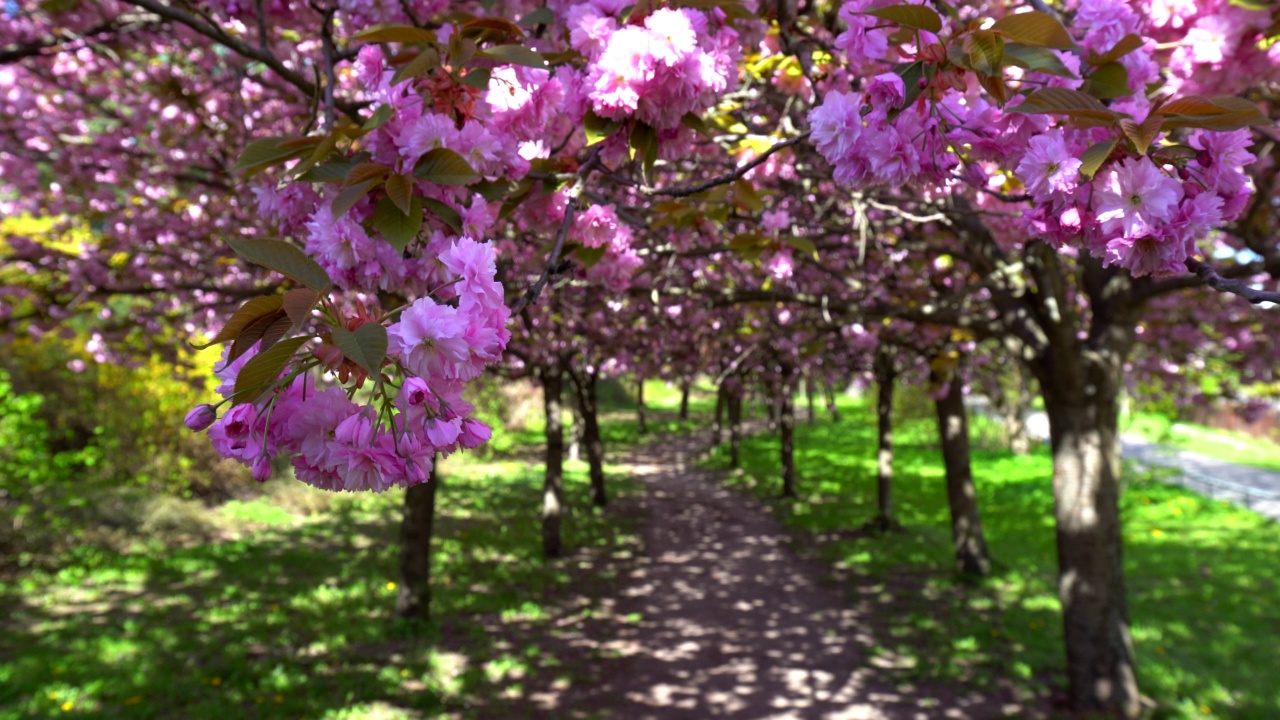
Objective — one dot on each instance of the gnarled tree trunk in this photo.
(886, 374)
(553, 483)
(966, 524)
(735, 427)
(414, 599)
(585, 385)
(641, 420)
(787, 434)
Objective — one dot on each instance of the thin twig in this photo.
(1236, 287)
(728, 177)
(570, 208)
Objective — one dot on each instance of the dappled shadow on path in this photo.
(720, 618)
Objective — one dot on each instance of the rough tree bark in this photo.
(414, 599)
(735, 427)
(885, 374)
(808, 391)
(720, 396)
(641, 420)
(786, 434)
(585, 385)
(553, 484)
(966, 524)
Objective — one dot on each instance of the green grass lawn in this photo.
(1201, 574)
(1234, 447)
(282, 615)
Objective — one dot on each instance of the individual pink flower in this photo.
(1048, 167)
(886, 91)
(428, 340)
(200, 417)
(1134, 197)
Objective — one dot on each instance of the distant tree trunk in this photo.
(735, 427)
(720, 396)
(885, 374)
(575, 434)
(771, 407)
(787, 426)
(831, 403)
(641, 420)
(966, 524)
(585, 385)
(414, 600)
(553, 485)
(808, 391)
(1012, 405)
(684, 400)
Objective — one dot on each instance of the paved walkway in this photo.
(1252, 487)
(730, 623)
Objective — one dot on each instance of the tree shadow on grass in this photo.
(1196, 570)
(295, 620)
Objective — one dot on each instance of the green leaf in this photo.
(1124, 46)
(445, 213)
(514, 55)
(443, 166)
(273, 332)
(328, 172)
(1144, 133)
(298, 304)
(366, 171)
(1061, 101)
(349, 196)
(1035, 28)
(986, 51)
(1094, 156)
(694, 122)
(322, 151)
(1109, 81)
(1217, 113)
(380, 116)
(541, 16)
(396, 227)
(418, 66)
(744, 193)
(400, 189)
(262, 154)
(803, 244)
(597, 127)
(366, 347)
(744, 241)
(285, 259)
(252, 310)
(589, 256)
(492, 190)
(480, 25)
(644, 142)
(1037, 59)
(395, 33)
(263, 370)
(916, 17)
(477, 78)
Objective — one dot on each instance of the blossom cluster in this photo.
(336, 443)
(680, 60)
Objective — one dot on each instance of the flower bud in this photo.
(200, 417)
(262, 468)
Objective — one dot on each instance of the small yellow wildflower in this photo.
(278, 698)
(404, 672)
(66, 706)
(53, 696)
(1206, 709)
(1157, 532)
(391, 586)
(216, 681)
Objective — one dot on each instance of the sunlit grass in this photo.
(1233, 447)
(1200, 573)
(291, 615)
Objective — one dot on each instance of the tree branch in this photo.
(728, 177)
(1210, 277)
